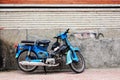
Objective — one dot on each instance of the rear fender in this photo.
(18, 53)
(21, 48)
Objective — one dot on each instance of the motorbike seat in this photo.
(43, 41)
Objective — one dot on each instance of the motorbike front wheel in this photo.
(22, 57)
(79, 66)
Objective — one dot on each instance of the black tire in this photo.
(78, 67)
(22, 58)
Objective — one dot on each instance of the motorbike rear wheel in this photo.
(79, 66)
(22, 57)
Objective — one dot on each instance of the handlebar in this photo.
(67, 31)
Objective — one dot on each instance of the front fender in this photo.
(71, 56)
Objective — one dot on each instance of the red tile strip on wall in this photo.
(59, 1)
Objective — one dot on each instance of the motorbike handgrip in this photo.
(56, 37)
(67, 30)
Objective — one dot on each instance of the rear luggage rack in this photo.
(28, 42)
(24, 41)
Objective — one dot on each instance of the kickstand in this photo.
(45, 69)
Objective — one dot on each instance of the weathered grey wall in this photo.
(7, 56)
(16, 35)
(102, 53)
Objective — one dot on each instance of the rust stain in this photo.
(59, 1)
(1, 28)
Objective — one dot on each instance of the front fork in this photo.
(71, 54)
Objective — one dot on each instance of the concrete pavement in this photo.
(88, 74)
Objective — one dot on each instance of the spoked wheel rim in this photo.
(79, 66)
(22, 57)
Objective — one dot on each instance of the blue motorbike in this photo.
(31, 54)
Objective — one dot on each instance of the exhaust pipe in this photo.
(37, 64)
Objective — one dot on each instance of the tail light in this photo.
(15, 45)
